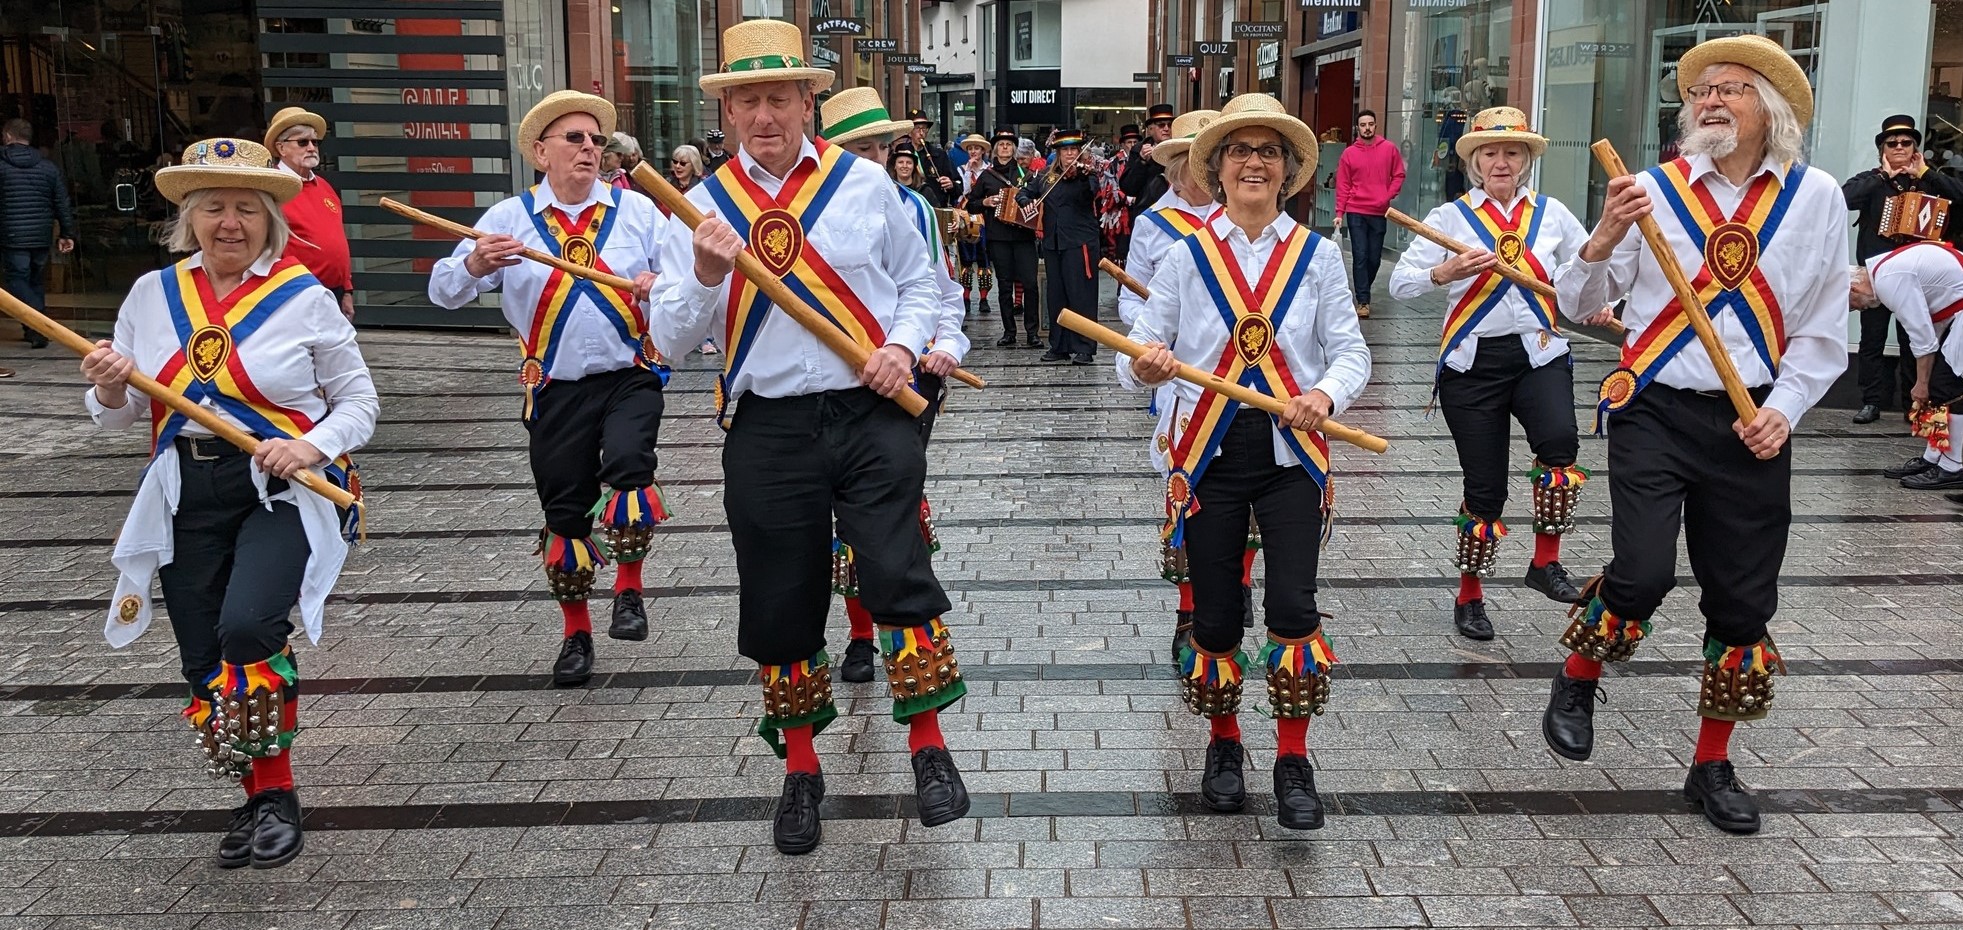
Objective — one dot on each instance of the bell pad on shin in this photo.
(627, 518)
(1298, 675)
(1557, 491)
(1596, 632)
(1172, 563)
(1738, 680)
(569, 565)
(921, 670)
(794, 695)
(249, 715)
(1211, 683)
(1479, 544)
(845, 574)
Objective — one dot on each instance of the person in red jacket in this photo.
(1368, 177)
(319, 241)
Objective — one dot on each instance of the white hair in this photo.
(182, 239)
(1785, 139)
(1478, 179)
(690, 154)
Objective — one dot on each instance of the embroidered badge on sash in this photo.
(1253, 336)
(128, 608)
(210, 346)
(579, 251)
(777, 239)
(1510, 247)
(1731, 252)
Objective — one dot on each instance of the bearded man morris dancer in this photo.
(1764, 238)
(591, 377)
(856, 120)
(1502, 355)
(812, 439)
(1922, 282)
(1262, 301)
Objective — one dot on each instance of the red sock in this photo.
(1470, 589)
(1186, 596)
(273, 772)
(578, 620)
(1292, 736)
(250, 784)
(1581, 669)
(1547, 548)
(1247, 569)
(1228, 727)
(1714, 740)
(627, 576)
(924, 730)
(799, 756)
(859, 617)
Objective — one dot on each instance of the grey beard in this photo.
(1715, 141)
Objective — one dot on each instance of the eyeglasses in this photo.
(578, 137)
(1727, 91)
(306, 143)
(1241, 151)
(1899, 144)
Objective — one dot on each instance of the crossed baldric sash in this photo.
(580, 241)
(1177, 223)
(1502, 235)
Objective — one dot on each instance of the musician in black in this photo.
(1072, 241)
(943, 185)
(1011, 247)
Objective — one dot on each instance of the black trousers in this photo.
(1674, 462)
(1244, 479)
(1366, 251)
(1502, 383)
(934, 388)
(599, 429)
(1073, 285)
(235, 575)
(789, 466)
(1876, 371)
(1015, 263)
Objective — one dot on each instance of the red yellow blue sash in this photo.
(1939, 316)
(1730, 278)
(1501, 235)
(1253, 316)
(579, 241)
(778, 231)
(1176, 222)
(208, 367)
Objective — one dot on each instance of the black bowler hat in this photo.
(901, 146)
(919, 116)
(1067, 137)
(1160, 112)
(1006, 135)
(1899, 124)
(1127, 132)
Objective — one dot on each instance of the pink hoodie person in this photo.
(1368, 177)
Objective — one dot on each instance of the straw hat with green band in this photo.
(1185, 129)
(857, 113)
(221, 163)
(1500, 124)
(762, 51)
(1758, 53)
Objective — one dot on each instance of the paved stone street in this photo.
(449, 786)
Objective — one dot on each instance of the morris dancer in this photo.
(592, 379)
(971, 252)
(1263, 301)
(258, 339)
(1503, 355)
(1922, 282)
(1764, 237)
(811, 438)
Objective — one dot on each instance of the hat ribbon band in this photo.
(857, 121)
(761, 62)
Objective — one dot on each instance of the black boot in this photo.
(1221, 785)
(943, 797)
(1182, 634)
(797, 827)
(1297, 806)
(235, 847)
(859, 656)
(1554, 581)
(1867, 414)
(630, 617)
(276, 836)
(1007, 340)
(1470, 617)
(1569, 723)
(1032, 342)
(1714, 787)
(1247, 607)
(575, 665)
(984, 306)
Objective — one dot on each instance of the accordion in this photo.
(1914, 215)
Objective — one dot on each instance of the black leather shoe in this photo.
(235, 847)
(575, 665)
(1182, 634)
(1297, 805)
(1867, 414)
(937, 784)
(1247, 607)
(984, 307)
(1569, 722)
(276, 836)
(1007, 340)
(1554, 581)
(630, 617)
(1914, 466)
(1470, 617)
(1032, 343)
(1221, 785)
(1935, 479)
(859, 656)
(1054, 356)
(36, 341)
(797, 827)
(1714, 787)
(1082, 360)
(1954, 498)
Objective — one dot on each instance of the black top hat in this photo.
(1067, 137)
(1899, 124)
(901, 146)
(1127, 131)
(919, 116)
(715, 135)
(1005, 135)
(1160, 111)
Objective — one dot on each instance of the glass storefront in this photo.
(1447, 62)
(657, 62)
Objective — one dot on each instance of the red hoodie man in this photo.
(1368, 177)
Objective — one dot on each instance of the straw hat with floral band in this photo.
(290, 117)
(1185, 129)
(857, 113)
(1500, 124)
(1255, 110)
(1758, 53)
(221, 163)
(761, 51)
(561, 103)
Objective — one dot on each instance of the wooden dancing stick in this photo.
(1118, 274)
(465, 232)
(1693, 309)
(1503, 269)
(144, 384)
(1206, 380)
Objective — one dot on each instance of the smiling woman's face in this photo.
(230, 226)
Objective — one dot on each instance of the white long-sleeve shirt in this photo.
(588, 343)
(1805, 264)
(1319, 338)
(1559, 239)
(1149, 242)
(865, 234)
(1917, 282)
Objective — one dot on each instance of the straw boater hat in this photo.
(216, 163)
(290, 117)
(1500, 124)
(856, 113)
(974, 138)
(1758, 53)
(1184, 129)
(759, 51)
(556, 104)
(1255, 110)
